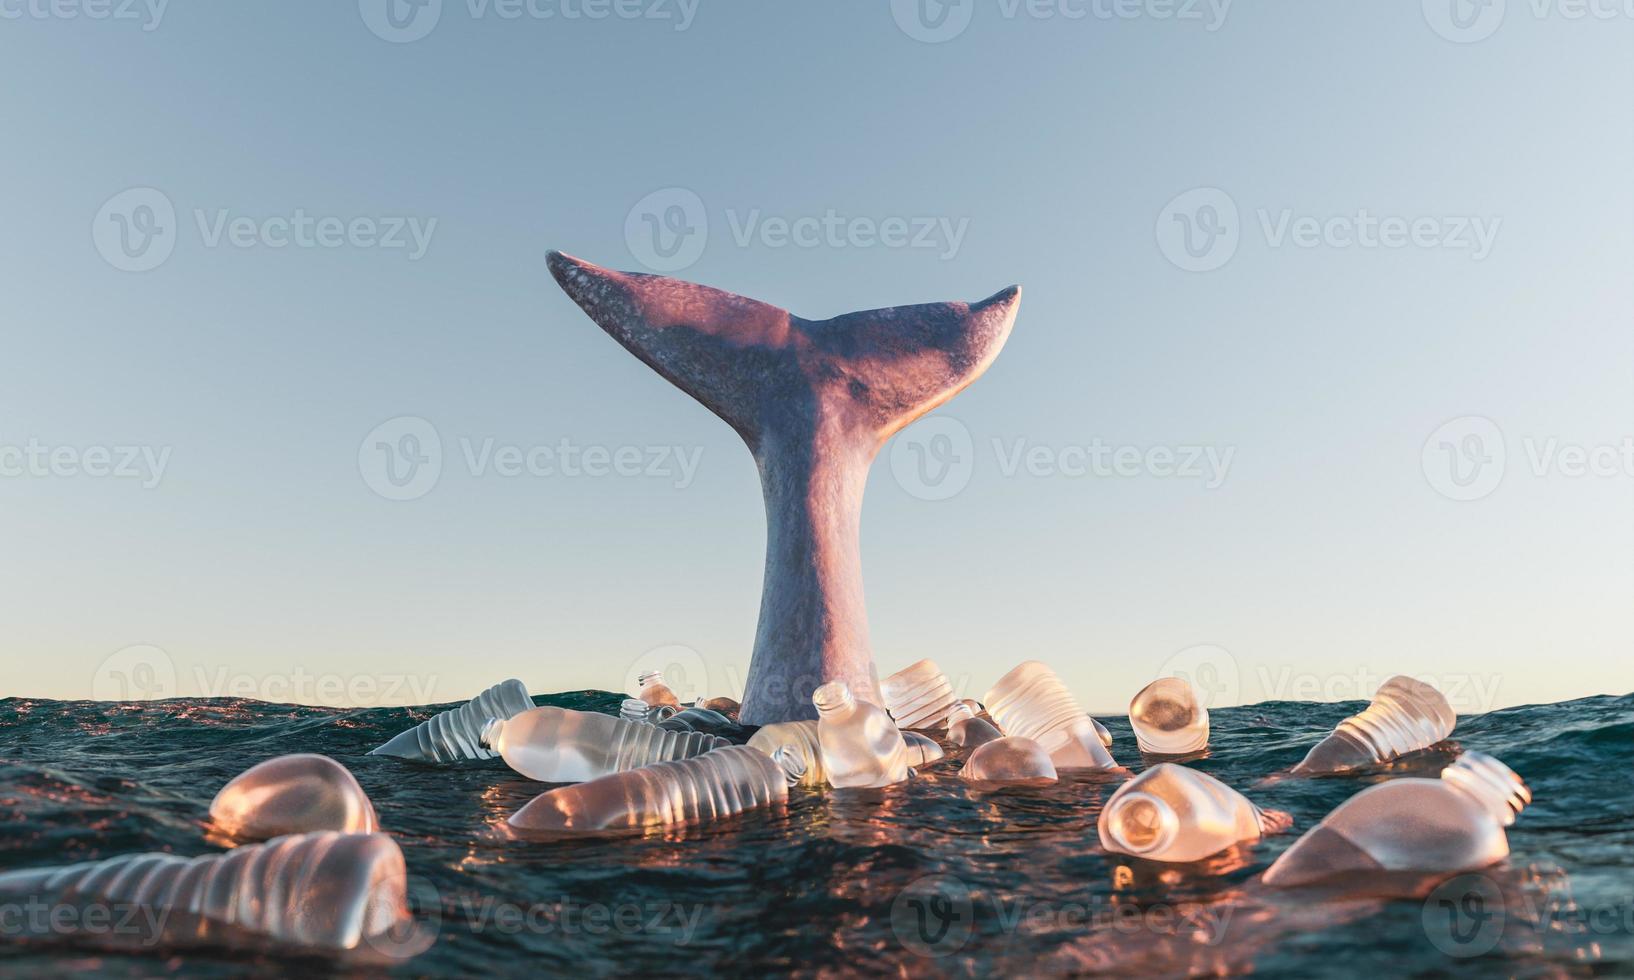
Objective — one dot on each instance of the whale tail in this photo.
(733, 354)
(814, 400)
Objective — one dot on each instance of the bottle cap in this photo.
(1141, 823)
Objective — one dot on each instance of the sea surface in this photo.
(931, 877)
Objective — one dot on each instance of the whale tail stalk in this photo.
(814, 400)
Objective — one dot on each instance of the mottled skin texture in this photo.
(814, 400)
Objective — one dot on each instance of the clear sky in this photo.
(1324, 364)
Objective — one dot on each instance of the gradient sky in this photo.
(1333, 553)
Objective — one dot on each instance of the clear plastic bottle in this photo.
(711, 786)
(1172, 813)
(968, 731)
(559, 745)
(1101, 732)
(1406, 715)
(655, 692)
(457, 733)
(1011, 759)
(328, 893)
(922, 749)
(1453, 824)
(293, 794)
(697, 719)
(1168, 719)
(798, 740)
(1031, 701)
(919, 696)
(635, 709)
(861, 746)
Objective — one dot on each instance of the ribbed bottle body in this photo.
(1406, 716)
(708, 787)
(456, 734)
(1031, 702)
(919, 696)
(560, 745)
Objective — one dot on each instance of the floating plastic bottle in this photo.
(559, 745)
(1453, 824)
(1172, 813)
(711, 786)
(457, 734)
(1168, 719)
(328, 893)
(861, 746)
(655, 692)
(697, 719)
(922, 750)
(966, 730)
(293, 794)
(919, 696)
(1010, 759)
(1101, 732)
(797, 740)
(1406, 715)
(1031, 701)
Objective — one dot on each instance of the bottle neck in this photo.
(1495, 786)
(650, 678)
(833, 700)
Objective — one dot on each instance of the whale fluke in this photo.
(814, 400)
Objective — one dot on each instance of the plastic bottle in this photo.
(711, 786)
(293, 794)
(922, 750)
(1011, 759)
(919, 696)
(1406, 715)
(559, 745)
(1168, 719)
(798, 740)
(966, 730)
(725, 706)
(697, 719)
(635, 709)
(1101, 732)
(1172, 813)
(318, 893)
(1452, 824)
(655, 692)
(1031, 701)
(456, 734)
(860, 744)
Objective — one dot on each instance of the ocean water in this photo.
(931, 877)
